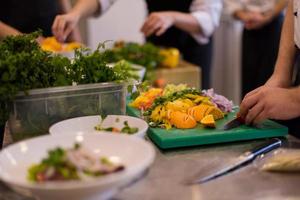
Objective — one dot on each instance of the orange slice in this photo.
(198, 112)
(182, 120)
(208, 121)
(216, 112)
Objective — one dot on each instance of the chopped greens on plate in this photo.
(125, 129)
(76, 163)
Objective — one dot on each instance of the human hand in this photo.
(40, 39)
(63, 25)
(258, 20)
(279, 81)
(157, 23)
(270, 103)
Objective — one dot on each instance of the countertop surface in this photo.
(164, 180)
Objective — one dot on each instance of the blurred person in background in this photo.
(17, 17)
(262, 20)
(187, 25)
(279, 98)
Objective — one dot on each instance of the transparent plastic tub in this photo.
(32, 114)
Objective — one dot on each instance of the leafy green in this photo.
(129, 130)
(146, 54)
(24, 66)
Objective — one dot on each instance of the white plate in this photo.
(83, 125)
(134, 153)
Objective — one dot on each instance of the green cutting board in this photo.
(200, 136)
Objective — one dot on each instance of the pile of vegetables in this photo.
(24, 66)
(181, 107)
(71, 164)
(147, 55)
(52, 45)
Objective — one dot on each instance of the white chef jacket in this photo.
(261, 6)
(207, 13)
(297, 22)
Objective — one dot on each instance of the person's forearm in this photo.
(287, 50)
(295, 98)
(279, 7)
(86, 8)
(186, 22)
(6, 30)
(65, 6)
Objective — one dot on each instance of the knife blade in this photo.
(243, 160)
(236, 122)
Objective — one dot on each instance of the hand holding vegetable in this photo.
(63, 25)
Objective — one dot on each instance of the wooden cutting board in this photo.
(199, 135)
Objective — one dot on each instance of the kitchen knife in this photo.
(243, 160)
(236, 122)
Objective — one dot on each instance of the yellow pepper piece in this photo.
(171, 57)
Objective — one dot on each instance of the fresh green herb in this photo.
(126, 129)
(24, 66)
(129, 130)
(146, 55)
(140, 88)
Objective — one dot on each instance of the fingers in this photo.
(253, 113)
(157, 23)
(151, 25)
(252, 92)
(57, 28)
(161, 30)
(248, 102)
(61, 28)
(260, 117)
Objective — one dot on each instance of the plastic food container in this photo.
(32, 114)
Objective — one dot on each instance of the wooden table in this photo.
(185, 72)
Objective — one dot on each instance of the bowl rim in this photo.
(117, 177)
(139, 133)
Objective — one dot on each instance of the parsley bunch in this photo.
(24, 66)
(146, 54)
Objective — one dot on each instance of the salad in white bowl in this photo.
(51, 167)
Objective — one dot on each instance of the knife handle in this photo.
(267, 147)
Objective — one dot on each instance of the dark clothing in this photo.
(2, 127)
(294, 124)
(259, 53)
(29, 15)
(190, 49)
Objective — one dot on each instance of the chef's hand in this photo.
(63, 25)
(278, 80)
(270, 103)
(243, 15)
(258, 20)
(40, 40)
(157, 23)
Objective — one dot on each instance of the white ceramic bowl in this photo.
(87, 124)
(135, 154)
